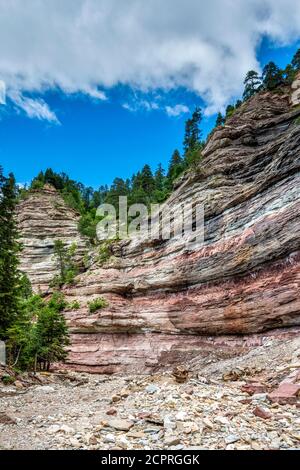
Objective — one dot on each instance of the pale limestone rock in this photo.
(295, 95)
(43, 217)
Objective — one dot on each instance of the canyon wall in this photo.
(168, 301)
(44, 217)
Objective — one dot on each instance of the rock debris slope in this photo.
(167, 303)
(229, 405)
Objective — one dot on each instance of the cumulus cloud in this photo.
(177, 110)
(85, 46)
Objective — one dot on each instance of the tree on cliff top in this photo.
(296, 60)
(175, 167)
(272, 76)
(220, 120)
(252, 84)
(192, 132)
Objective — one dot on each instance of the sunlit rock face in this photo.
(295, 95)
(168, 301)
(43, 217)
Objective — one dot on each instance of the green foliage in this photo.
(97, 304)
(75, 305)
(192, 132)
(37, 184)
(118, 188)
(272, 76)
(144, 187)
(104, 252)
(252, 84)
(50, 336)
(220, 120)
(87, 225)
(57, 302)
(161, 190)
(297, 121)
(176, 167)
(8, 379)
(25, 290)
(66, 265)
(39, 335)
(9, 250)
(289, 74)
(296, 60)
(230, 111)
(193, 157)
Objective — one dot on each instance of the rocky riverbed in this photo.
(246, 403)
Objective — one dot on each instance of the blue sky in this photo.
(69, 126)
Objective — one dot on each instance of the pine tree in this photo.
(159, 178)
(272, 76)
(296, 60)
(118, 188)
(9, 250)
(51, 336)
(64, 257)
(175, 166)
(192, 132)
(252, 84)
(289, 74)
(147, 180)
(229, 111)
(220, 120)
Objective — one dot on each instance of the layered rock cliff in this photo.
(44, 217)
(167, 302)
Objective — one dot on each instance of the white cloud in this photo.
(2, 92)
(88, 45)
(177, 110)
(137, 100)
(138, 104)
(93, 92)
(34, 108)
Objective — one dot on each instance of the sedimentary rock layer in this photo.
(44, 217)
(244, 279)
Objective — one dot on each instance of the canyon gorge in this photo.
(166, 302)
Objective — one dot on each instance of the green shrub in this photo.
(87, 226)
(97, 304)
(8, 379)
(39, 335)
(57, 302)
(75, 305)
(297, 121)
(104, 252)
(65, 259)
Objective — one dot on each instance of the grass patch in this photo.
(297, 121)
(97, 304)
(75, 305)
(8, 379)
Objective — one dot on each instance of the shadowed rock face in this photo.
(165, 300)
